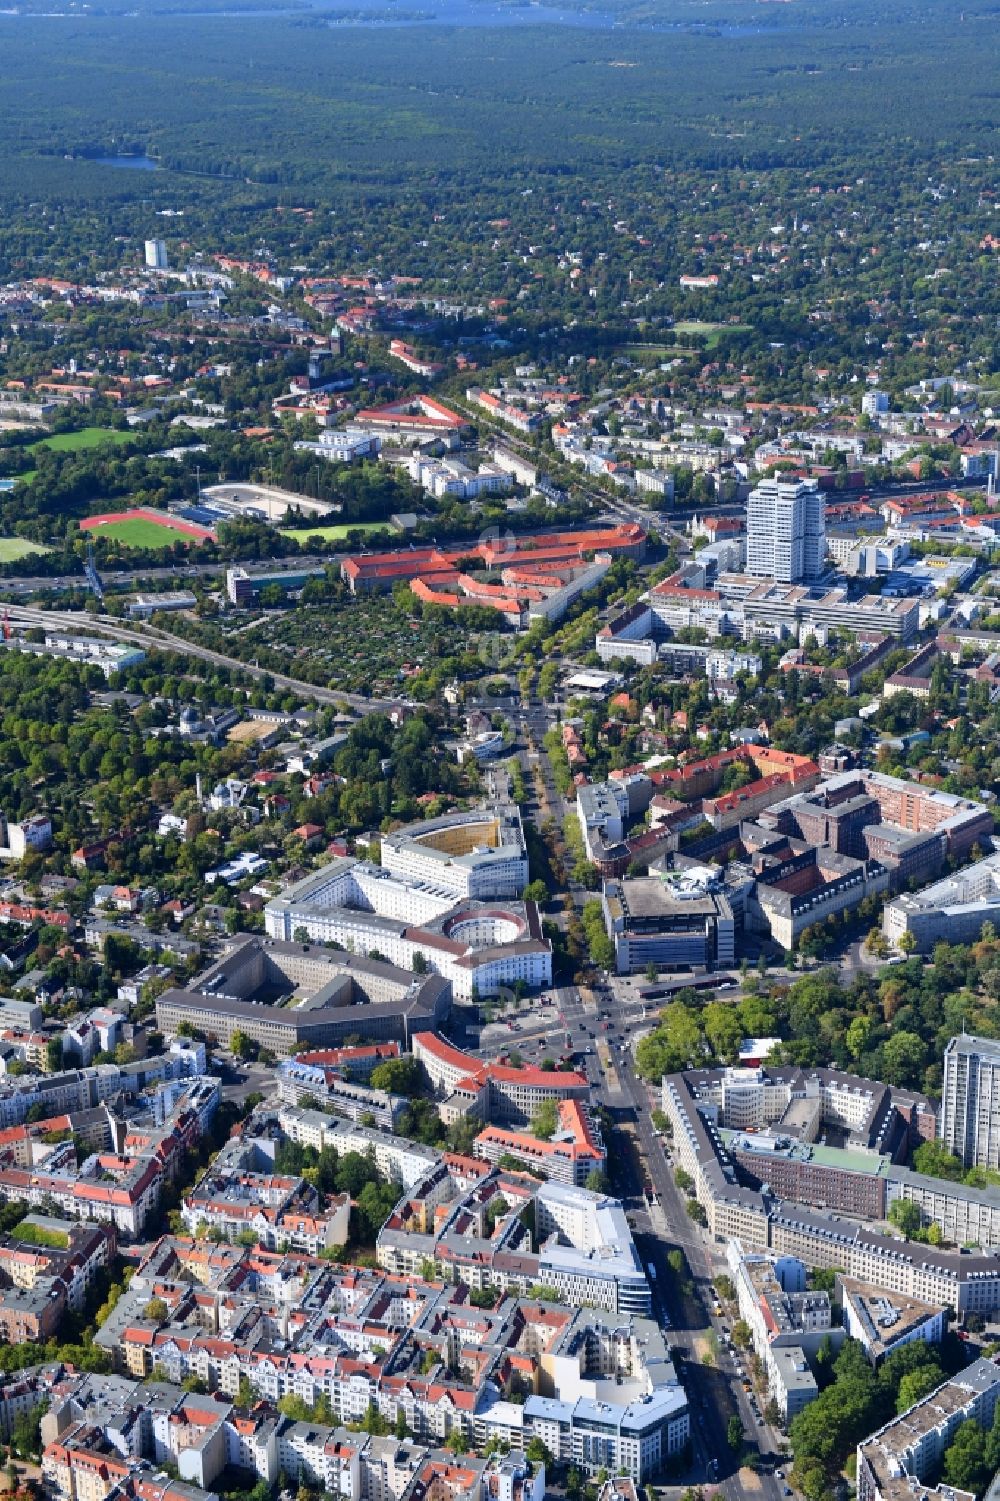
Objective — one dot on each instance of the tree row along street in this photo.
(641, 1175)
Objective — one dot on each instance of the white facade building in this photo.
(786, 531)
(970, 1100)
(343, 445)
(874, 403)
(424, 901)
(655, 482)
(156, 255)
(480, 853)
(31, 835)
(909, 1449)
(587, 1252)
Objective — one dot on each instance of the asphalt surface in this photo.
(715, 1391)
(174, 573)
(641, 1175)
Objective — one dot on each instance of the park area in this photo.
(13, 548)
(144, 529)
(711, 332)
(338, 533)
(87, 437)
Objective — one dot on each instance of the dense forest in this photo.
(350, 114)
(841, 184)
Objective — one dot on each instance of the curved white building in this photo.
(415, 912)
(479, 853)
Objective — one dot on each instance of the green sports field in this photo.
(12, 548)
(87, 437)
(137, 532)
(336, 533)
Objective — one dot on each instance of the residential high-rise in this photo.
(156, 255)
(874, 403)
(970, 1100)
(786, 531)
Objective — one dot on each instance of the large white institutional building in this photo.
(446, 896)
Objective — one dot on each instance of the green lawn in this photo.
(335, 533)
(712, 331)
(87, 437)
(137, 532)
(40, 1235)
(12, 548)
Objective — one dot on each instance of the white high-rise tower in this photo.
(786, 531)
(970, 1100)
(156, 255)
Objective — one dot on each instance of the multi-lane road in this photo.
(569, 1021)
(715, 1390)
(174, 573)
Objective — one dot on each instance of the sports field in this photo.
(87, 437)
(138, 533)
(12, 548)
(140, 528)
(336, 533)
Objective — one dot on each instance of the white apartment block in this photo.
(600, 1265)
(655, 482)
(970, 1100)
(786, 531)
(31, 835)
(874, 403)
(910, 1448)
(343, 445)
(443, 477)
(726, 666)
(398, 1158)
(520, 470)
(952, 909)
